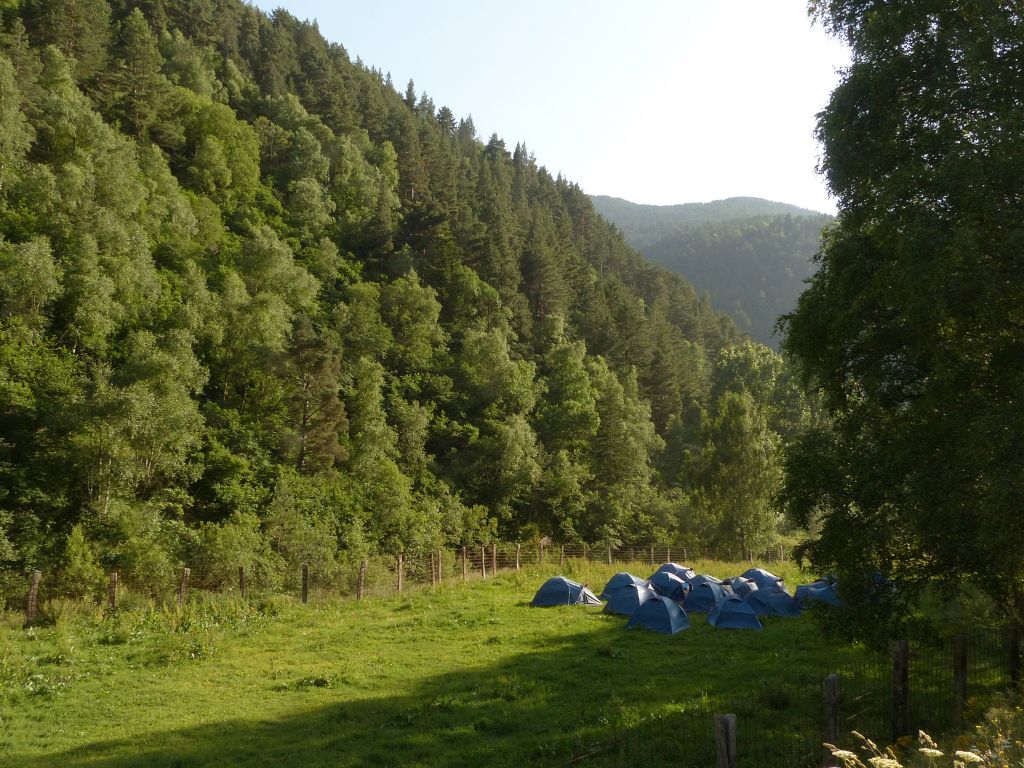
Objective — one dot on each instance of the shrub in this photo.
(238, 541)
(82, 575)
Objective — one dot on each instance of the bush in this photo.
(303, 529)
(238, 541)
(141, 544)
(83, 575)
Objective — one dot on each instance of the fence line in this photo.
(385, 575)
(785, 725)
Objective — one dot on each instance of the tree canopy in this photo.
(256, 303)
(912, 326)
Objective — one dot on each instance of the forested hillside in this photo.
(753, 268)
(259, 307)
(644, 225)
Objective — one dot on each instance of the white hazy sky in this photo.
(656, 101)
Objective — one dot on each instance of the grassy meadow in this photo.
(462, 674)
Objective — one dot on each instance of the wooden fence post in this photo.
(183, 586)
(1013, 641)
(668, 554)
(401, 574)
(433, 576)
(465, 565)
(725, 740)
(32, 604)
(585, 557)
(652, 557)
(900, 687)
(494, 559)
(1015, 637)
(483, 562)
(361, 580)
(518, 548)
(540, 552)
(782, 554)
(112, 591)
(609, 555)
(561, 556)
(305, 582)
(242, 588)
(830, 692)
(440, 562)
(685, 558)
(959, 679)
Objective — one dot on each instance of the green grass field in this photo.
(457, 675)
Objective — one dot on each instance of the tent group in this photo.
(662, 601)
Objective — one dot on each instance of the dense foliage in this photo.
(752, 268)
(258, 307)
(912, 326)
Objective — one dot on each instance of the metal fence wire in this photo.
(783, 725)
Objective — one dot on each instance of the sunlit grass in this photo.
(459, 674)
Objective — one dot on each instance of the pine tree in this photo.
(134, 87)
(80, 29)
(312, 369)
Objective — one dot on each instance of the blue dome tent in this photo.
(627, 600)
(764, 579)
(732, 612)
(772, 602)
(561, 591)
(676, 569)
(620, 581)
(818, 591)
(705, 592)
(704, 578)
(669, 585)
(659, 614)
(742, 586)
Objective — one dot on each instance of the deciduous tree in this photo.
(912, 326)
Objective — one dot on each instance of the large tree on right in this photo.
(913, 326)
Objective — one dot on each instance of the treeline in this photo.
(257, 307)
(644, 225)
(753, 268)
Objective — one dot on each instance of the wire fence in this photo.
(377, 575)
(786, 725)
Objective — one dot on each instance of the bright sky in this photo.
(655, 101)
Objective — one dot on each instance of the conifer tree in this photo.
(133, 86)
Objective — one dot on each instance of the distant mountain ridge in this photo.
(643, 225)
(751, 256)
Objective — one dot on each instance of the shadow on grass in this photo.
(615, 697)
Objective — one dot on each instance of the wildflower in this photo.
(969, 757)
(884, 762)
(844, 754)
(930, 752)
